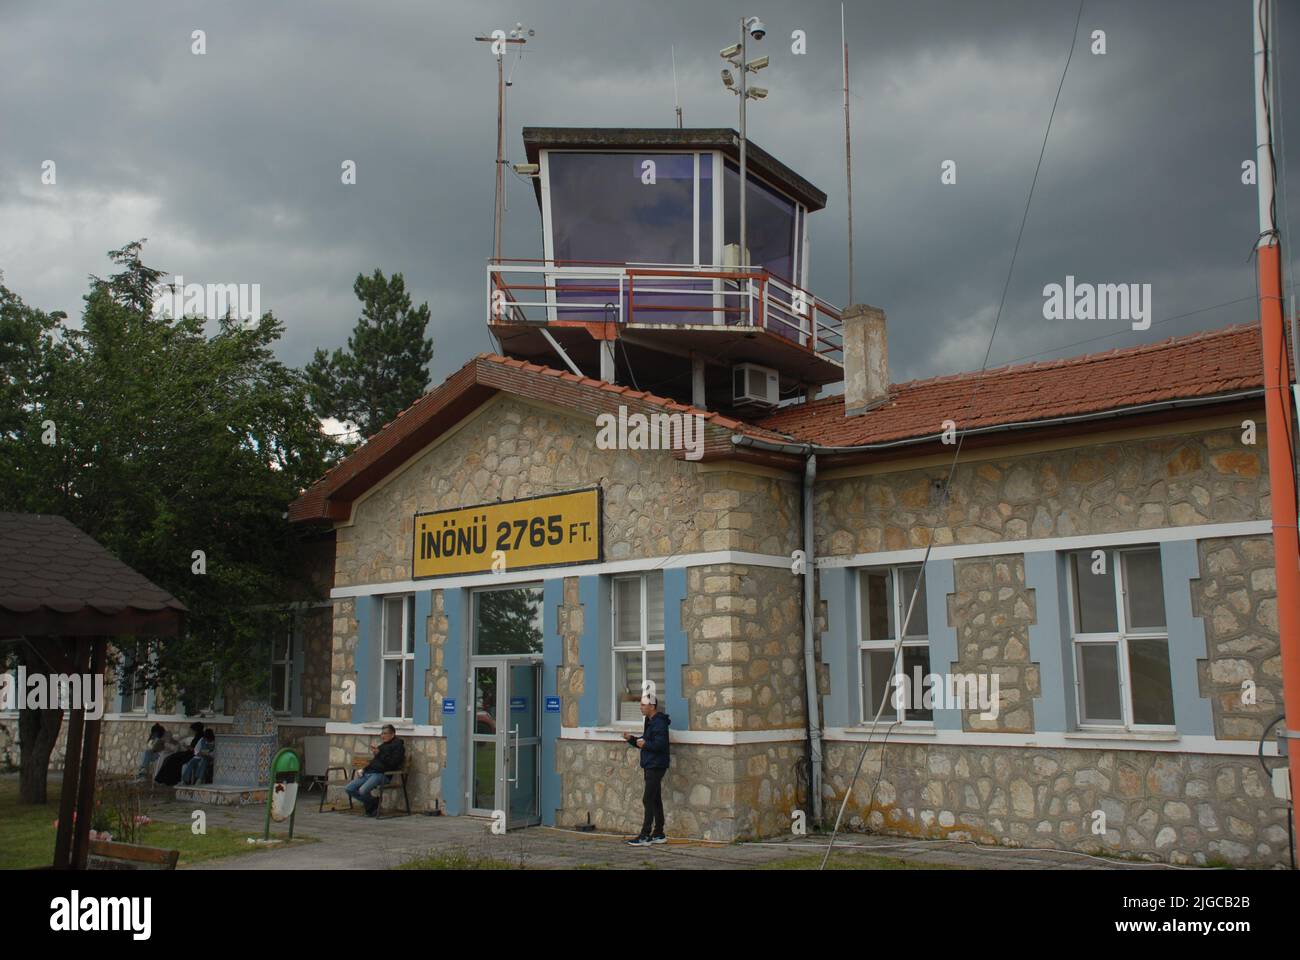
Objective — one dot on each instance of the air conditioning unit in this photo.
(752, 385)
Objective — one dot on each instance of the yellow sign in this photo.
(547, 531)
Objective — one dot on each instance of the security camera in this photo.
(727, 79)
(756, 28)
(729, 53)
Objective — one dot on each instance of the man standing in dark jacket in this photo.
(390, 755)
(653, 744)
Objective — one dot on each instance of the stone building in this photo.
(1094, 597)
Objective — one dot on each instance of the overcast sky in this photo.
(229, 163)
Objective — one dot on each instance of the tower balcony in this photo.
(722, 314)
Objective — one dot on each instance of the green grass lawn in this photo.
(27, 834)
(457, 860)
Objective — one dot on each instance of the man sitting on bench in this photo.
(390, 756)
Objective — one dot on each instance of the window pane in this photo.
(627, 603)
(277, 687)
(914, 658)
(392, 687)
(877, 605)
(877, 671)
(654, 660)
(410, 624)
(627, 684)
(1099, 676)
(508, 621)
(1144, 590)
(654, 604)
(393, 624)
(706, 208)
(485, 700)
(1153, 690)
(408, 689)
(769, 223)
(601, 209)
(1094, 594)
(917, 626)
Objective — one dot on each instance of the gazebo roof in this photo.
(57, 581)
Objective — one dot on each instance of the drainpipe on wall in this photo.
(1277, 401)
(809, 658)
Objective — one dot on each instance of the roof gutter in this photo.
(803, 449)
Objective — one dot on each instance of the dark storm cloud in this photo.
(230, 162)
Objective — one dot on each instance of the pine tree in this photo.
(385, 367)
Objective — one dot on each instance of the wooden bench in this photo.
(359, 763)
(109, 855)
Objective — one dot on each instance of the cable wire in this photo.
(920, 580)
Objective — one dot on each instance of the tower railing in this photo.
(581, 293)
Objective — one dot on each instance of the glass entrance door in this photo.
(505, 741)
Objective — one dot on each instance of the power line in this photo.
(920, 580)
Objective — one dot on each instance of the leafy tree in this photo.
(171, 440)
(385, 367)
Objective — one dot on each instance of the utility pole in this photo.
(848, 153)
(752, 27)
(1277, 399)
(499, 41)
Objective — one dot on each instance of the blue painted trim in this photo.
(552, 661)
(843, 706)
(454, 729)
(420, 712)
(940, 580)
(676, 648)
(363, 660)
(1179, 565)
(1049, 641)
(589, 651)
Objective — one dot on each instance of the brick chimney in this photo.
(866, 359)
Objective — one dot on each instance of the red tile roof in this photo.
(55, 580)
(1196, 366)
(330, 498)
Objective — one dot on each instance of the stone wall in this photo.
(318, 641)
(711, 792)
(653, 503)
(1236, 596)
(1177, 807)
(428, 757)
(991, 611)
(744, 631)
(1208, 476)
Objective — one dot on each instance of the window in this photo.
(883, 599)
(508, 621)
(398, 632)
(638, 634)
(1121, 640)
(769, 222)
(282, 669)
(135, 693)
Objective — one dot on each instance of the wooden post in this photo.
(89, 766)
(71, 766)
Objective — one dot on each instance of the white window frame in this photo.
(643, 644)
(138, 693)
(287, 663)
(1118, 639)
(914, 640)
(406, 656)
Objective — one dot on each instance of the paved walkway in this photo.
(350, 841)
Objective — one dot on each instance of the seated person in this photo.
(153, 749)
(196, 768)
(169, 774)
(390, 755)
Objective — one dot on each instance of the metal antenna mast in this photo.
(499, 39)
